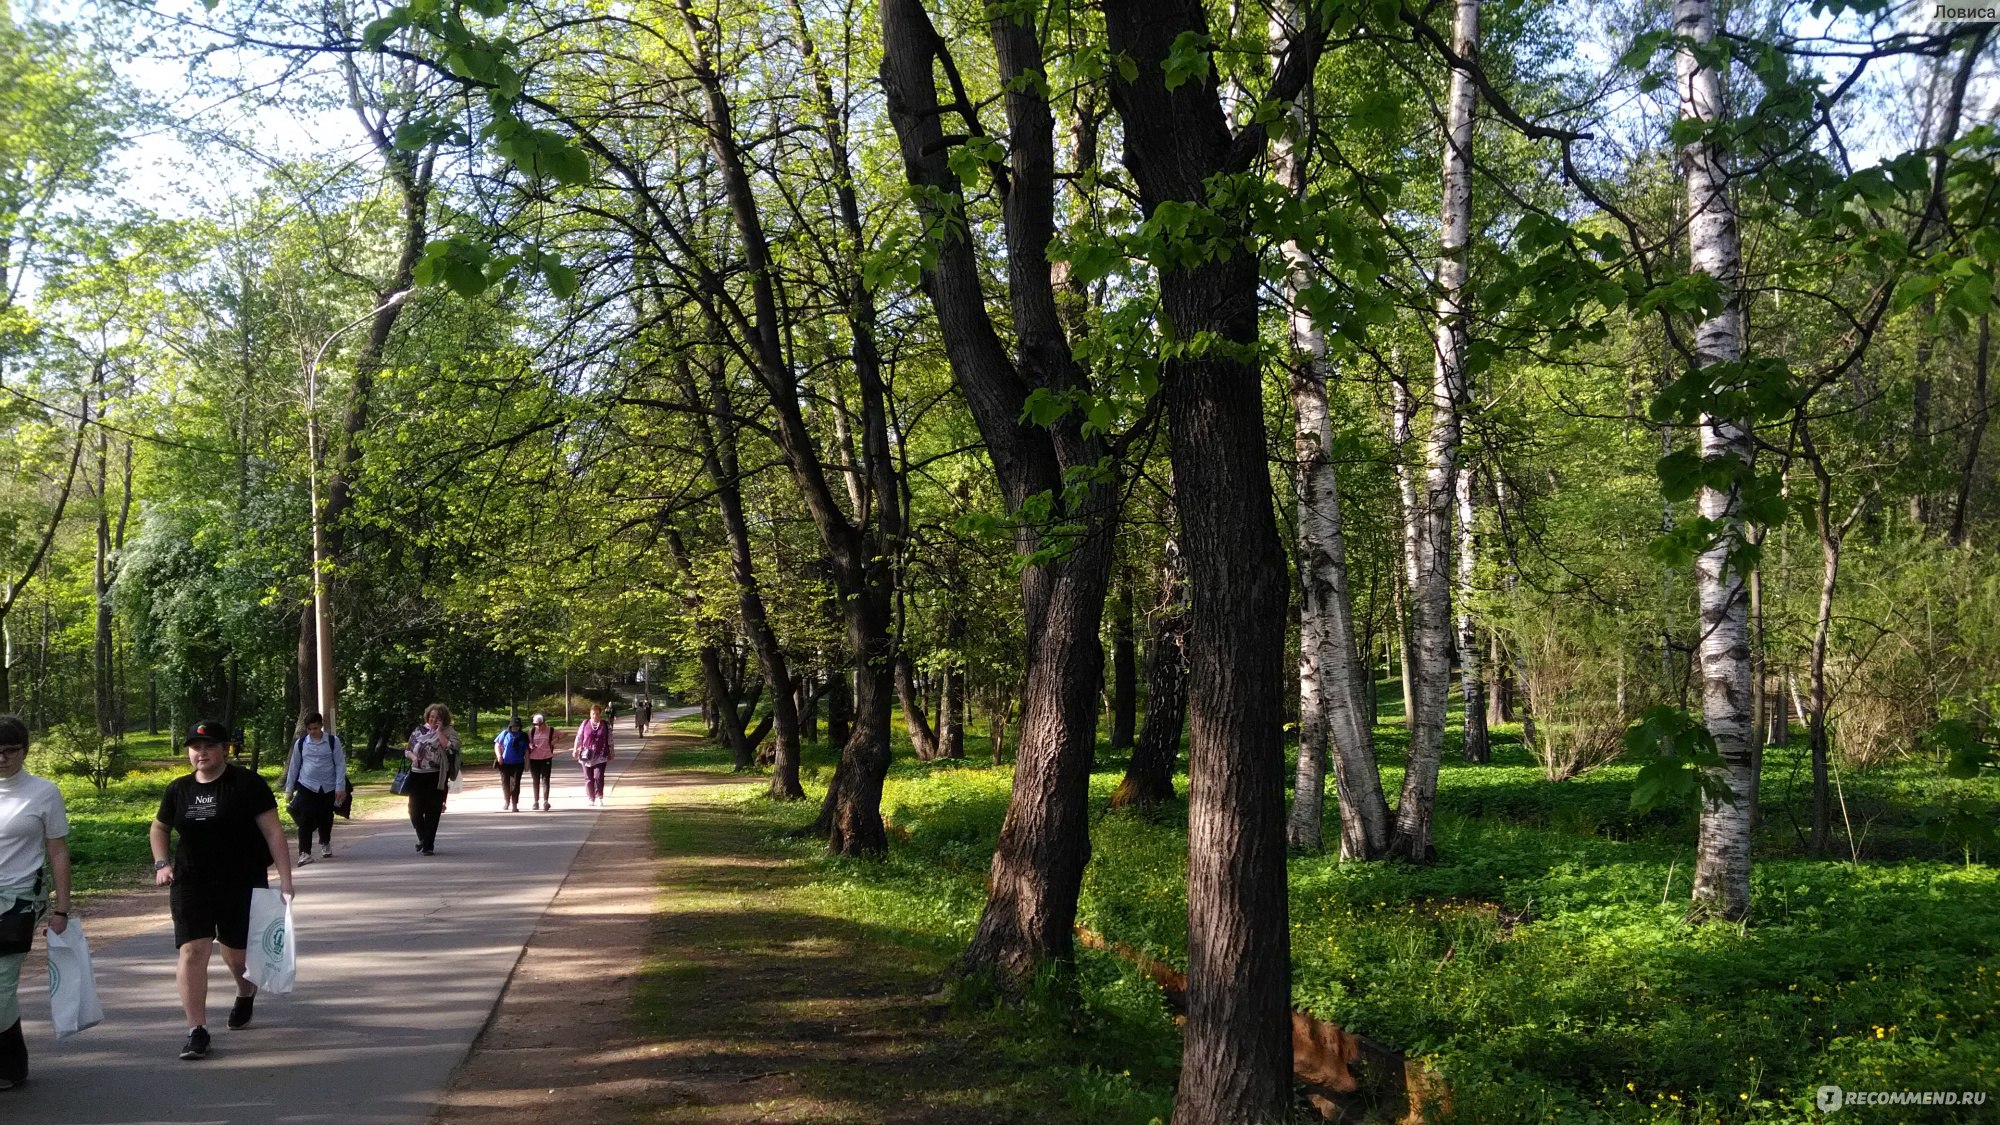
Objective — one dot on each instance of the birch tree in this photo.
(1722, 860)
(1427, 515)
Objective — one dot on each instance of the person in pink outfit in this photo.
(592, 751)
(541, 759)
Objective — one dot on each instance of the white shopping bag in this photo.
(72, 988)
(269, 962)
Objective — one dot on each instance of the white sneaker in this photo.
(304, 858)
(326, 852)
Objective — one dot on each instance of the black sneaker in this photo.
(239, 1016)
(197, 1044)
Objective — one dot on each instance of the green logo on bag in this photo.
(274, 940)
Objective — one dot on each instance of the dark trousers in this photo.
(427, 793)
(13, 1054)
(538, 771)
(593, 781)
(510, 783)
(313, 813)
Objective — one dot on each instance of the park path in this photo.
(402, 959)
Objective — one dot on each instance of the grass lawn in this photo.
(1542, 965)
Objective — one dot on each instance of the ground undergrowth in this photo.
(1542, 965)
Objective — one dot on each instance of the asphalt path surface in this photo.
(401, 960)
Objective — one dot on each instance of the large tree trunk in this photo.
(1124, 668)
(840, 707)
(1722, 859)
(1236, 1060)
(1149, 775)
(1037, 869)
(951, 715)
(923, 738)
(1428, 529)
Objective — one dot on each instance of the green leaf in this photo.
(377, 34)
(1187, 59)
(567, 164)
(562, 280)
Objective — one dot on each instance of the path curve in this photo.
(401, 961)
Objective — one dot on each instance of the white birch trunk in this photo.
(1471, 667)
(1332, 703)
(1428, 523)
(1722, 859)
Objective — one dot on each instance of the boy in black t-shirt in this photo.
(227, 822)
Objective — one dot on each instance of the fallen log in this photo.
(1346, 1077)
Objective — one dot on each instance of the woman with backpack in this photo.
(510, 753)
(315, 775)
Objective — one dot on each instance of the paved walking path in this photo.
(401, 961)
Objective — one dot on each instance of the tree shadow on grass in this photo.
(764, 1009)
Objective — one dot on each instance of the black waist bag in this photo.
(17, 925)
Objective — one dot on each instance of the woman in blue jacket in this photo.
(510, 753)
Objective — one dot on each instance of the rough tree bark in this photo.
(923, 737)
(1037, 869)
(1149, 775)
(1428, 528)
(1236, 1060)
(1722, 858)
(1124, 668)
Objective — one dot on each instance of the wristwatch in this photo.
(159, 864)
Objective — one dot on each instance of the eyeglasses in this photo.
(18, 748)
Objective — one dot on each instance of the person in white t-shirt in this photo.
(32, 825)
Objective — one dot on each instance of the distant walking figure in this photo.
(32, 824)
(541, 759)
(510, 753)
(433, 756)
(315, 775)
(227, 822)
(592, 751)
(642, 715)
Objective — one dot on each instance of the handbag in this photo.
(401, 785)
(272, 964)
(17, 928)
(343, 802)
(73, 1003)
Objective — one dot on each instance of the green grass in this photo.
(1543, 965)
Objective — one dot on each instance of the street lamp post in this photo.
(322, 611)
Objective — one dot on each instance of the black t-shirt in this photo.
(220, 843)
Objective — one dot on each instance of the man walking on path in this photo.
(227, 822)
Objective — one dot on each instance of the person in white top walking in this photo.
(315, 776)
(33, 824)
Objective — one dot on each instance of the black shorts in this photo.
(201, 911)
